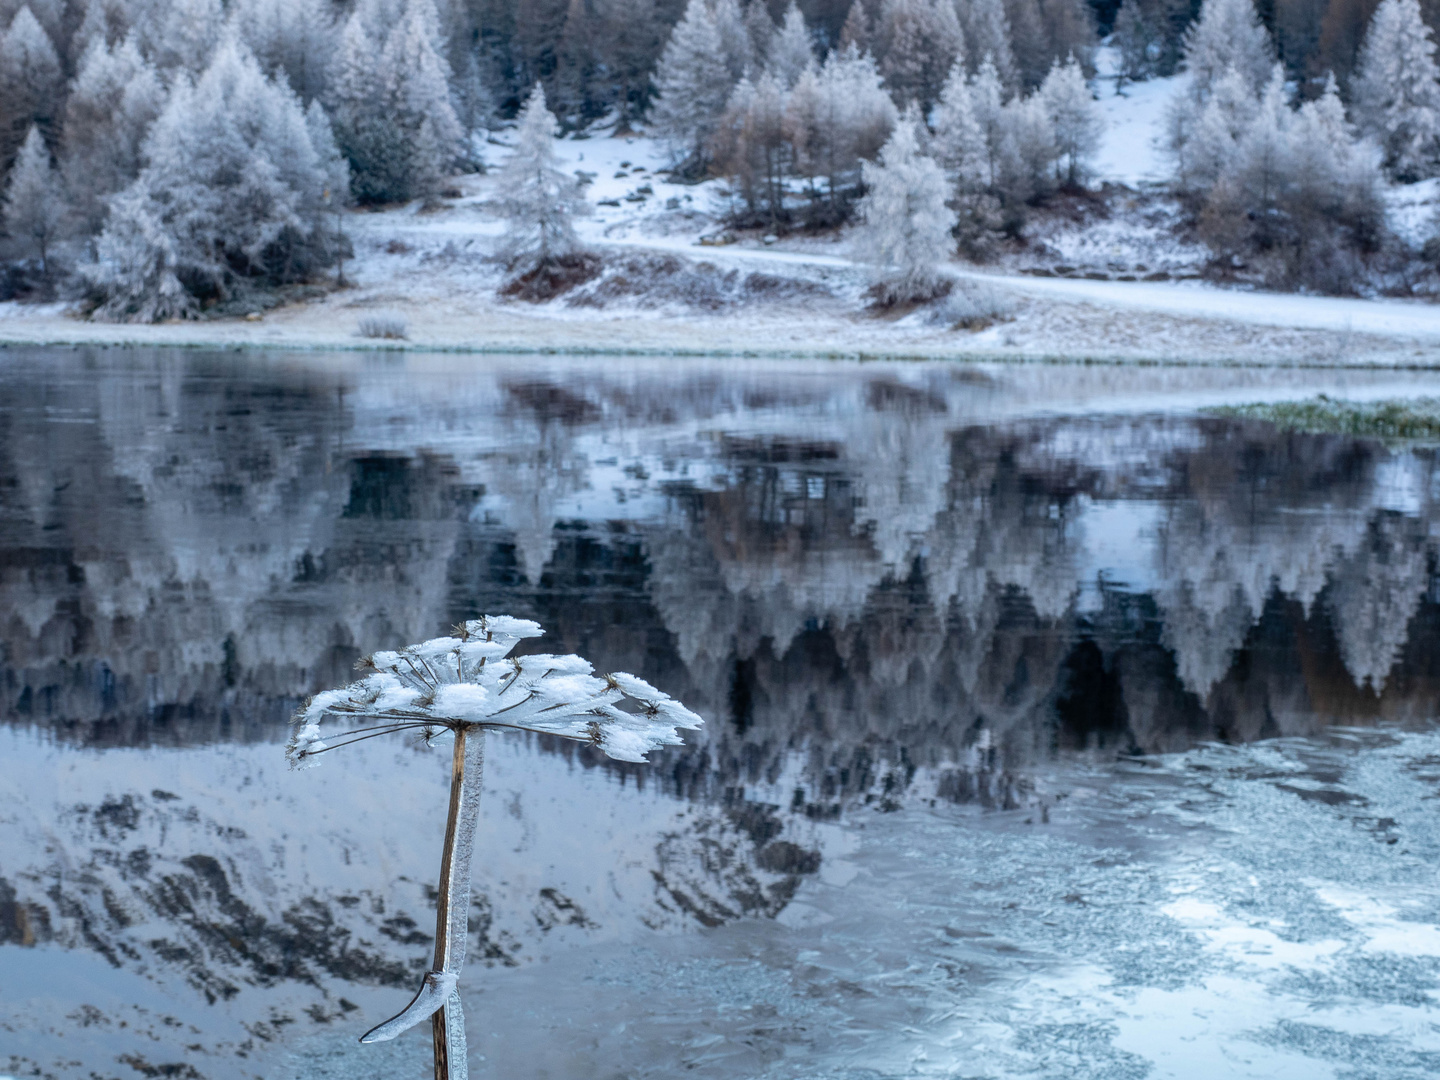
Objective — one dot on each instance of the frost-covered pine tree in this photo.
(416, 84)
(736, 42)
(296, 37)
(232, 190)
(834, 120)
(538, 200)
(180, 35)
(1076, 118)
(365, 134)
(692, 85)
(958, 141)
(114, 99)
(30, 84)
(751, 146)
(905, 223)
(918, 41)
(760, 31)
(1396, 94)
(960, 146)
(33, 206)
(1227, 34)
(1210, 150)
(987, 34)
(108, 21)
(987, 102)
(1030, 150)
(856, 28)
(790, 52)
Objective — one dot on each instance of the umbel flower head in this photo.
(470, 679)
(465, 685)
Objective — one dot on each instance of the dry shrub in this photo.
(386, 327)
(657, 280)
(552, 278)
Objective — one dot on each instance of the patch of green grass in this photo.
(1416, 418)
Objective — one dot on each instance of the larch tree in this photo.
(791, 53)
(363, 131)
(834, 120)
(760, 29)
(958, 141)
(114, 99)
(1076, 118)
(34, 209)
(1227, 34)
(232, 192)
(180, 35)
(416, 85)
(692, 84)
(905, 222)
(737, 45)
(987, 34)
(1396, 93)
(961, 148)
(538, 200)
(856, 29)
(917, 42)
(31, 84)
(110, 21)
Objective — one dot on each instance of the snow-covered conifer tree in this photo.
(761, 30)
(905, 222)
(918, 42)
(1396, 93)
(109, 21)
(692, 83)
(856, 29)
(736, 42)
(33, 206)
(363, 131)
(752, 148)
(1030, 150)
(538, 199)
(1228, 34)
(960, 146)
(180, 35)
(1075, 116)
(1209, 149)
(293, 36)
(232, 190)
(987, 101)
(835, 119)
(987, 34)
(30, 84)
(416, 84)
(791, 53)
(958, 142)
(115, 98)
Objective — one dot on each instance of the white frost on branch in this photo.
(471, 680)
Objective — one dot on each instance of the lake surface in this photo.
(1056, 727)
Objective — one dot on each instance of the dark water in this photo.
(886, 587)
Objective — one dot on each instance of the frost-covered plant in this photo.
(692, 83)
(905, 230)
(390, 327)
(32, 210)
(464, 686)
(1396, 94)
(538, 199)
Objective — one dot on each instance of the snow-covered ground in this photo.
(1101, 280)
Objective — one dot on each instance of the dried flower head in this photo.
(470, 679)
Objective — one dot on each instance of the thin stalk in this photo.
(452, 907)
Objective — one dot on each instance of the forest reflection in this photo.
(856, 575)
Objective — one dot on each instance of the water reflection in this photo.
(873, 567)
(881, 585)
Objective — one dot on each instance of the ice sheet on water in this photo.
(1229, 912)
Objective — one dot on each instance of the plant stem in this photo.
(452, 905)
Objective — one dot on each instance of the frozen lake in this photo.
(1056, 727)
